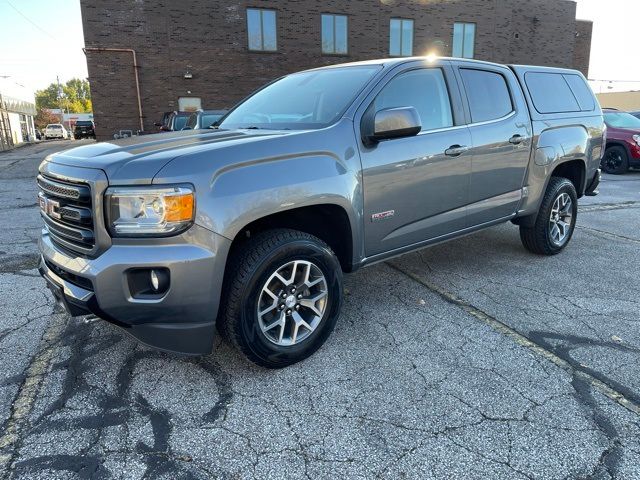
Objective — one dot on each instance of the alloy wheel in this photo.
(560, 219)
(612, 161)
(292, 303)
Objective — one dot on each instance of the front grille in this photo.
(67, 212)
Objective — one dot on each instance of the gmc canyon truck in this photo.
(250, 226)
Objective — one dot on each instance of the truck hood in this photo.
(136, 160)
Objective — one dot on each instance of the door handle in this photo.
(516, 139)
(455, 150)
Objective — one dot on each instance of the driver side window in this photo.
(423, 89)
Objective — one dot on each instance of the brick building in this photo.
(213, 53)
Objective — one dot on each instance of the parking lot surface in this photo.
(471, 359)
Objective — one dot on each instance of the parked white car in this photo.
(55, 130)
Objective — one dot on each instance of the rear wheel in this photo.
(556, 219)
(615, 160)
(282, 297)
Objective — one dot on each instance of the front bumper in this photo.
(182, 320)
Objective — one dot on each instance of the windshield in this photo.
(621, 120)
(179, 122)
(209, 119)
(307, 100)
(192, 121)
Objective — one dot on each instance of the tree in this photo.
(45, 117)
(75, 96)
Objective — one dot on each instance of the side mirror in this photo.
(395, 123)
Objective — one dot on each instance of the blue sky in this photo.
(26, 52)
(34, 54)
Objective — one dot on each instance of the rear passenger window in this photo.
(581, 91)
(487, 93)
(550, 93)
(423, 89)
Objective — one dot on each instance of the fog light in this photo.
(155, 282)
(148, 283)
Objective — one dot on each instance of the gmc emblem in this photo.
(49, 207)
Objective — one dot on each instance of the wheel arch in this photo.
(573, 170)
(618, 143)
(329, 222)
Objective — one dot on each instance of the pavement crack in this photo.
(35, 375)
(604, 385)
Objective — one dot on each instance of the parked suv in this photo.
(174, 121)
(84, 129)
(252, 225)
(55, 130)
(203, 119)
(623, 142)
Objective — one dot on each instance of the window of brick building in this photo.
(334, 34)
(261, 29)
(400, 37)
(464, 39)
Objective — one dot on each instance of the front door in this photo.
(416, 188)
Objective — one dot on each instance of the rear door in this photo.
(415, 188)
(501, 134)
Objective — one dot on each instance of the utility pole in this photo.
(59, 95)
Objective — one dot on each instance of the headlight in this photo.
(636, 138)
(149, 211)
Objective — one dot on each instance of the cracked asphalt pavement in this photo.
(471, 359)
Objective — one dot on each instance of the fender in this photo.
(554, 147)
(245, 181)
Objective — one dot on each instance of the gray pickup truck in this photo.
(249, 227)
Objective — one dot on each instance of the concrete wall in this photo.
(621, 100)
(209, 40)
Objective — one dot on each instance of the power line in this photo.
(30, 21)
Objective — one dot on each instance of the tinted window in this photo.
(464, 39)
(306, 100)
(423, 89)
(261, 27)
(581, 91)
(487, 93)
(209, 119)
(550, 93)
(179, 122)
(621, 120)
(401, 37)
(192, 121)
(334, 34)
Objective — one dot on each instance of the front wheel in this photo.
(556, 219)
(282, 297)
(615, 160)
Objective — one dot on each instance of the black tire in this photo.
(249, 269)
(615, 160)
(538, 239)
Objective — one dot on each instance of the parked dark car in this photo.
(84, 129)
(203, 119)
(250, 226)
(173, 121)
(623, 142)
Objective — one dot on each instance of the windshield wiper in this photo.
(250, 127)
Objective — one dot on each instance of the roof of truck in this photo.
(390, 62)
